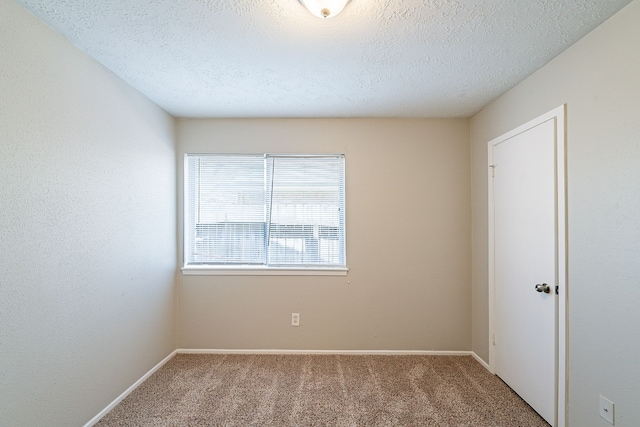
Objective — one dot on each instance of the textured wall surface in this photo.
(382, 58)
(87, 229)
(598, 80)
(408, 239)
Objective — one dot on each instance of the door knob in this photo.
(543, 288)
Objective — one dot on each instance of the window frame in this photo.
(259, 269)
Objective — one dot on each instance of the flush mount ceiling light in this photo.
(324, 8)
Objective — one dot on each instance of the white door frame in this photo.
(558, 116)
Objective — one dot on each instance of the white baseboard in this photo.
(135, 385)
(340, 352)
(480, 361)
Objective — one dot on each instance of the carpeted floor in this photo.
(322, 390)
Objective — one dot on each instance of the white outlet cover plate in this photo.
(606, 409)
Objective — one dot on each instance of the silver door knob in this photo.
(543, 288)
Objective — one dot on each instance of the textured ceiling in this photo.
(272, 58)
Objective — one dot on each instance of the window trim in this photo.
(259, 269)
(225, 270)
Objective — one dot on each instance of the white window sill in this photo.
(262, 271)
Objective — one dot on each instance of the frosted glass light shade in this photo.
(324, 8)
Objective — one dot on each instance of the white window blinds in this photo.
(225, 212)
(269, 210)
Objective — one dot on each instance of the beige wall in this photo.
(407, 289)
(87, 229)
(598, 79)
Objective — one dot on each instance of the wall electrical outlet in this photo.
(606, 409)
(295, 319)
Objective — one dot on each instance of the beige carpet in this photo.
(326, 390)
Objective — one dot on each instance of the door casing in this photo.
(558, 115)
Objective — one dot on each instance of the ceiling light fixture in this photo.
(324, 8)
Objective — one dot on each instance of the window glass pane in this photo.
(306, 215)
(228, 209)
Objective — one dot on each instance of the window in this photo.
(264, 212)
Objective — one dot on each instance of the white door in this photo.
(525, 264)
